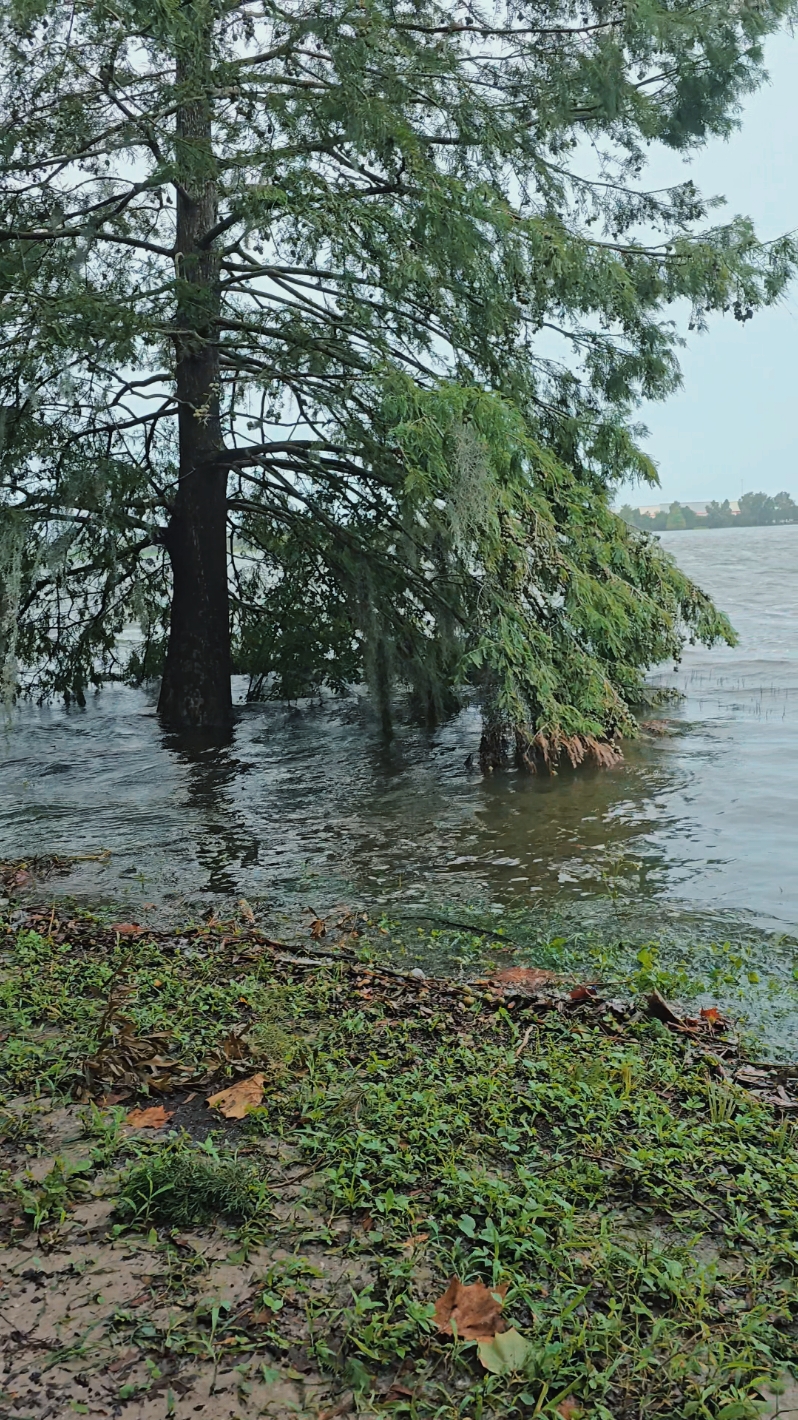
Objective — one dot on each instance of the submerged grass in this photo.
(641, 1209)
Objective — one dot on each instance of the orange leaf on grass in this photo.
(711, 1014)
(126, 929)
(569, 1408)
(155, 1117)
(236, 1101)
(473, 1311)
(410, 1243)
(528, 978)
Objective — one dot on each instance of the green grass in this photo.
(650, 1247)
(179, 1185)
(643, 1212)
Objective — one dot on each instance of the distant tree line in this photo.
(757, 510)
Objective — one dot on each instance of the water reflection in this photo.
(226, 846)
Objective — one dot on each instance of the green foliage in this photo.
(55, 997)
(641, 1210)
(759, 510)
(589, 1172)
(48, 1202)
(419, 481)
(181, 1184)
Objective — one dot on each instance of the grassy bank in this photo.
(601, 1169)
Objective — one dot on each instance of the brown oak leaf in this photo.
(155, 1117)
(235, 1102)
(475, 1310)
(583, 993)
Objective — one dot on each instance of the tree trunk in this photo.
(195, 691)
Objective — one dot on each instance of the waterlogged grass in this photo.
(641, 1209)
(750, 973)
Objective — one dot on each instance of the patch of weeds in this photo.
(105, 1128)
(17, 1128)
(282, 1277)
(201, 1005)
(272, 1036)
(180, 1184)
(49, 1201)
(640, 1214)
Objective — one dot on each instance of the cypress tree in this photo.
(323, 332)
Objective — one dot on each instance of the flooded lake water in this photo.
(307, 807)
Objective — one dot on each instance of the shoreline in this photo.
(604, 1168)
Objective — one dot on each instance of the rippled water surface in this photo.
(307, 806)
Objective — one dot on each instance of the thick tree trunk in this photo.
(195, 692)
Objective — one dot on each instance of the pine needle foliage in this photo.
(179, 1185)
(423, 288)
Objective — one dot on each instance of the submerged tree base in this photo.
(616, 1173)
(536, 751)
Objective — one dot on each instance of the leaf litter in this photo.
(529, 978)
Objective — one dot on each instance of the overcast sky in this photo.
(734, 425)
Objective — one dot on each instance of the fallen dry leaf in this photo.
(527, 978)
(569, 1407)
(711, 1014)
(155, 1117)
(234, 1102)
(344, 1407)
(410, 1243)
(750, 1075)
(318, 928)
(660, 1009)
(126, 929)
(233, 1047)
(583, 993)
(473, 1310)
(263, 1316)
(782, 1099)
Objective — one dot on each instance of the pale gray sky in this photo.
(734, 425)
